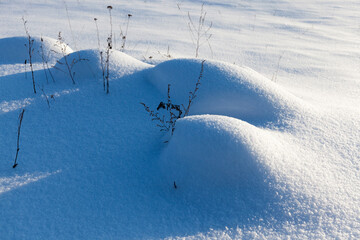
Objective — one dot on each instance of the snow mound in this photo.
(226, 89)
(14, 50)
(89, 66)
(209, 151)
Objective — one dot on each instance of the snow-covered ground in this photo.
(270, 148)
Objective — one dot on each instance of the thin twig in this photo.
(155, 117)
(199, 35)
(45, 62)
(46, 97)
(274, 77)
(169, 107)
(29, 45)
(100, 53)
(71, 31)
(108, 51)
(193, 95)
(69, 65)
(21, 115)
(124, 37)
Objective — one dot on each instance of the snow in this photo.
(227, 90)
(89, 67)
(270, 149)
(16, 50)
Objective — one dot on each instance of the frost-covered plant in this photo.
(69, 65)
(200, 33)
(174, 111)
(29, 46)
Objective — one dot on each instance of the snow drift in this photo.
(210, 153)
(86, 64)
(256, 159)
(15, 50)
(226, 89)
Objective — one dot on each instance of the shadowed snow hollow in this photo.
(226, 89)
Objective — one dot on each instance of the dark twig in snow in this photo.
(172, 109)
(155, 117)
(21, 115)
(100, 53)
(108, 51)
(45, 62)
(193, 95)
(44, 94)
(30, 48)
(124, 36)
(69, 65)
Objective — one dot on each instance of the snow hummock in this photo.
(87, 65)
(16, 50)
(228, 90)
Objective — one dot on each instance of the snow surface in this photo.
(15, 49)
(227, 90)
(270, 150)
(89, 67)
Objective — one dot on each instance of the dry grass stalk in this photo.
(30, 48)
(21, 115)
